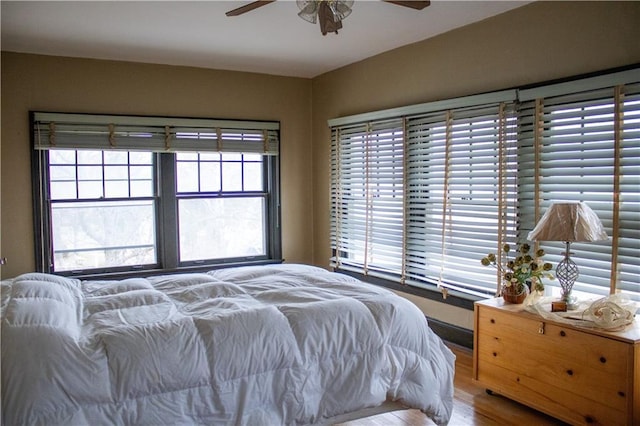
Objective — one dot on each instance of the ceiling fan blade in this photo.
(418, 5)
(248, 7)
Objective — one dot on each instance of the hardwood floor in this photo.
(472, 405)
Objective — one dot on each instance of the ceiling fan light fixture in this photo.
(341, 8)
(329, 13)
(308, 10)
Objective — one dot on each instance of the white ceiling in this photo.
(271, 39)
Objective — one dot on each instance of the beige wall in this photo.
(534, 43)
(32, 82)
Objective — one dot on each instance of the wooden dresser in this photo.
(578, 375)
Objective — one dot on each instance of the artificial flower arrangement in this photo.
(523, 270)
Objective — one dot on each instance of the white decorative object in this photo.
(611, 313)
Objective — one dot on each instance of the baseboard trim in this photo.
(452, 333)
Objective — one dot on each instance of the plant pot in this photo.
(512, 295)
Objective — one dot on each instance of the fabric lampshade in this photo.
(569, 222)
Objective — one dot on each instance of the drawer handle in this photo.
(622, 394)
(562, 333)
(570, 372)
(492, 321)
(589, 419)
(541, 328)
(603, 359)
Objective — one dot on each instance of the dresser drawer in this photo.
(516, 337)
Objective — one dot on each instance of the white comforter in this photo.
(274, 345)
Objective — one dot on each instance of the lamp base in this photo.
(570, 300)
(567, 273)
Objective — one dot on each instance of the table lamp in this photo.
(568, 222)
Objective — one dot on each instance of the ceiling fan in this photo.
(328, 13)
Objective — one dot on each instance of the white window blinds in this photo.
(420, 194)
(462, 195)
(368, 226)
(417, 199)
(156, 134)
(585, 146)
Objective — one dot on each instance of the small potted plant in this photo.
(522, 274)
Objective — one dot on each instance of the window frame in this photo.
(269, 165)
(166, 218)
(493, 116)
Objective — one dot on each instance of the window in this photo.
(369, 196)
(585, 146)
(119, 194)
(418, 198)
(205, 217)
(462, 187)
(117, 230)
(464, 176)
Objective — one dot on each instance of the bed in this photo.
(259, 345)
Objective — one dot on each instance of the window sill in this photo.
(182, 270)
(454, 298)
